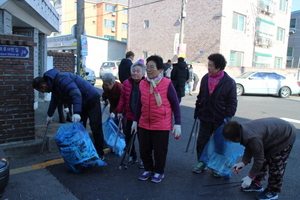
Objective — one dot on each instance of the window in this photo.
(124, 26)
(238, 21)
(236, 58)
(278, 62)
(262, 60)
(75, 5)
(293, 23)
(109, 37)
(280, 34)
(124, 39)
(110, 8)
(109, 23)
(94, 6)
(93, 22)
(283, 5)
(146, 24)
(265, 27)
(145, 54)
(290, 51)
(125, 11)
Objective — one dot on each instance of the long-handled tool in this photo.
(194, 132)
(44, 139)
(127, 152)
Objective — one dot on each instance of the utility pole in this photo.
(183, 15)
(79, 32)
(182, 46)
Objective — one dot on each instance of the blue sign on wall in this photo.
(14, 51)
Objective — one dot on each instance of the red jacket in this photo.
(113, 95)
(125, 99)
(154, 117)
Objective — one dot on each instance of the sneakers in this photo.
(157, 178)
(145, 175)
(267, 195)
(132, 160)
(199, 168)
(141, 165)
(253, 188)
(216, 175)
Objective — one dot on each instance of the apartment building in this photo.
(103, 18)
(250, 33)
(293, 53)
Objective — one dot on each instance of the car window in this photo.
(273, 76)
(118, 63)
(258, 76)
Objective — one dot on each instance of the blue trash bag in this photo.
(77, 148)
(220, 154)
(113, 137)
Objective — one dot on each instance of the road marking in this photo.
(37, 166)
(290, 120)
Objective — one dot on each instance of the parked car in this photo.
(110, 67)
(266, 83)
(90, 76)
(4, 172)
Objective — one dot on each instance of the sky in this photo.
(295, 5)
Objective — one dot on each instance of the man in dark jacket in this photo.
(124, 67)
(269, 141)
(72, 89)
(179, 75)
(216, 101)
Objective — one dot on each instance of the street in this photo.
(112, 183)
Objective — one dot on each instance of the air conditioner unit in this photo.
(292, 30)
(113, 29)
(113, 13)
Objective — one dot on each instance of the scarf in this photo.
(213, 80)
(153, 83)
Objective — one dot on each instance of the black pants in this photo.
(205, 132)
(154, 149)
(92, 111)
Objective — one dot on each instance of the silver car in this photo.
(110, 67)
(90, 76)
(266, 83)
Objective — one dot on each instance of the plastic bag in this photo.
(77, 148)
(220, 154)
(113, 137)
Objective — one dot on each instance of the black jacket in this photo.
(179, 75)
(124, 69)
(221, 104)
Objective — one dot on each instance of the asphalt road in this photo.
(110, 182)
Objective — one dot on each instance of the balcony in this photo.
(266, 7)
(263, 42)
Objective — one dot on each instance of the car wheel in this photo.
(284, 92)
(239, 89)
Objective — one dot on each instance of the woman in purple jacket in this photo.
(215, 102)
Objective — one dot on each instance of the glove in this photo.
(246, 182)
(176, 131)
(66, 110)
(134, 127)
(49, 120)
(112, 115)
(120, 115)
(76, 118)
(238, 166)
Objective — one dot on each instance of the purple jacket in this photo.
(221, 104)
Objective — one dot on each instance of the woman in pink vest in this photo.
(153, 116)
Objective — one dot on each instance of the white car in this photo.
(90, 76)
(266, 83)
(110, 67)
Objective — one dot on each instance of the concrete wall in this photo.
(16, 92)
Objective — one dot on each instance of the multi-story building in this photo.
(250, 33)
(293, 53)
(104, 18)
